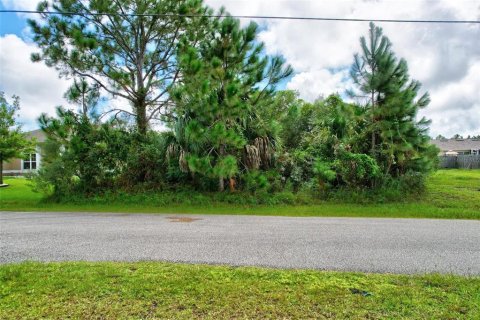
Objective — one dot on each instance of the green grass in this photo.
(451, 194)
(148, 290)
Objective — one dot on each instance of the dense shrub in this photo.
(187, 196)
(356, 170)
(81, 155)
(145, 164)
(228, 127)
(255, 181)
(324, 173)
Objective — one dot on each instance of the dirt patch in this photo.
(182, 219)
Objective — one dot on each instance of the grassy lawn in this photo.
(149, 290)
(451, 194)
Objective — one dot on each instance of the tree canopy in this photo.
(226, 79)
(398, 140)
(128, 56)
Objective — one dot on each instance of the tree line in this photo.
(210, 83)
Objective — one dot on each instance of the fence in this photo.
(470, 161)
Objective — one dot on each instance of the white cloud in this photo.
(20, 4)
(455, 106)
(39, 88)
(318, 83)
(442, 57)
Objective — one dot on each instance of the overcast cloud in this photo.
(445, 58)
(39, 88)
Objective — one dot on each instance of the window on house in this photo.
(30, 162)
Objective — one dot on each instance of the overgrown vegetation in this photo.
(210, 82)
(161, 290)
(450, 194)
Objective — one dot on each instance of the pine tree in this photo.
(127, 48)
(85, 95)
(397, 140)
(226, 78)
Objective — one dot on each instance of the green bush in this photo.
(324, 173)
(255, 181)
(387, 189)
(145, 164)
(356, 170)
(80, 155)
(187, 196)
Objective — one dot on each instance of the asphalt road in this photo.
(350, 244)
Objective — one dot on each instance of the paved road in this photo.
(372, 245)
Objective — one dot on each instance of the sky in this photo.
(444, 58)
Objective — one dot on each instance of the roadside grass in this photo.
(151, 290)
(451, 194)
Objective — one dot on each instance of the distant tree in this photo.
(440, 137)
(127, 48)
(398, 141)
(85, 95)
(457, 136)
(226, 78)
(13, 143)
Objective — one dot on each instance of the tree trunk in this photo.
(1, 171)
(221, 182)
(373, 144)
(373, 125)
(373, 133)
(84, 106)
(321, 185)
(232, 184)
(141, 113)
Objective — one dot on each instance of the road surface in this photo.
(347, 244)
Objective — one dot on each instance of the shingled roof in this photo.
(457, 144)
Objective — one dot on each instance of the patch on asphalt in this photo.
(182, 219)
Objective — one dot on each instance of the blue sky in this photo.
(11, 23)
(444, 58)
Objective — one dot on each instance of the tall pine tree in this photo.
(398, 141)
(127, 48)
(226, 78)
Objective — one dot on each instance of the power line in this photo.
(170, 15)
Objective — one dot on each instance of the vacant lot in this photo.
(451, 194)
(161, 290)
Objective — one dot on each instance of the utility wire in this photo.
(169, 15)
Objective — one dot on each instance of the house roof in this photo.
(38, 134)
(457, 144)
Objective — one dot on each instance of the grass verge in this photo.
(150, 290)
(451, 194)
